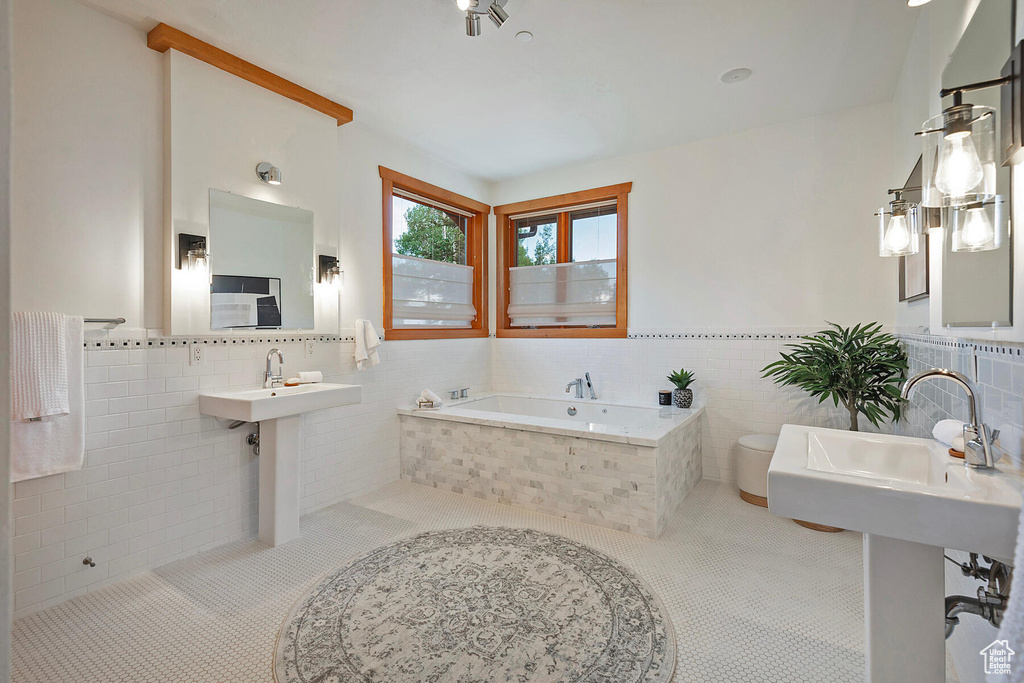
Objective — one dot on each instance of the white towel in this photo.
(367, 342)
(428, 395)
(55, 444)
(947, 430)
(39, 365)
(1012, 628)
(311, 377)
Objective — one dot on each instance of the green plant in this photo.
(862, 368)
(682, 378)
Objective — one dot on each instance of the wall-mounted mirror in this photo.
(977, 286)
(261, 265)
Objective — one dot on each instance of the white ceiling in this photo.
(601, 77)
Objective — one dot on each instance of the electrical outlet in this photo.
(309, 348)
(195, 355)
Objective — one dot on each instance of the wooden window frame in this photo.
(476, 256)
(562, 204)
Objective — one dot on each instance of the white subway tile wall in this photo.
(727, 363)
(161, 481)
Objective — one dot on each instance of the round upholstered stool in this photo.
(752, 467)
(755, 455)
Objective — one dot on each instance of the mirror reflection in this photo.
(261, 265)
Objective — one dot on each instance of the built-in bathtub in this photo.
(615, 464)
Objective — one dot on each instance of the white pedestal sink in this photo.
(911, 500)
(279, 413)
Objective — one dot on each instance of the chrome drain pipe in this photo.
(992, 597)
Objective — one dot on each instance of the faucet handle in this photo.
(993, 435)
(454, 393)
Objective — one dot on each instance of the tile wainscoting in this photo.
(727, 362)
(161, 481)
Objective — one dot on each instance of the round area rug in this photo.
(479, 604)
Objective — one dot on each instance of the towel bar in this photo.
(105, 321)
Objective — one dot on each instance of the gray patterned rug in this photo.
(479, 604)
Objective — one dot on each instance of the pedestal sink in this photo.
(911, 500)
(279, 412)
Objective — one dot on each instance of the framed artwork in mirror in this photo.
(914, 272)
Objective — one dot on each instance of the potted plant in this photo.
(862, 368)
(682, 395)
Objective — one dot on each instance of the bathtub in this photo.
(616, 464)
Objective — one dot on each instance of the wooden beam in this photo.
(163, 37)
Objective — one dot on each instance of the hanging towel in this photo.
(367, 342)
(54, 443)
(947, 430)
(1012, 628)
(39, 365)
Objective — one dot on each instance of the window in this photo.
(562, 265)
(435, 271)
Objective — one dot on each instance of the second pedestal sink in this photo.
(279, 411)
(911, 500)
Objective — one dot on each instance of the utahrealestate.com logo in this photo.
(997, 657)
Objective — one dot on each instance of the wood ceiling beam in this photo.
(163, 37)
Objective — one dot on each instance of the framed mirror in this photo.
(977, 286)
(261, 265)
(915, 275)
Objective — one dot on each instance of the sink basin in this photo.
(879, 459)
(253, 405)
(894, 486)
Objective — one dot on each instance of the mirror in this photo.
(977, 286)
(261, 264)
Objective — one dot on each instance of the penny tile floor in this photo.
(752, 597)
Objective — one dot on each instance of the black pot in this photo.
(683, 398)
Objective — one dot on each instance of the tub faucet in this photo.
(578, 383)
(977, 440)
(590, 386)
(270, 380)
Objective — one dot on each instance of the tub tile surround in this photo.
(608, 483)
(162, 482)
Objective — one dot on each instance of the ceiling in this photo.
(601, 78)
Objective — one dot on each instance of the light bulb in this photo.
(897, 235)
(959, 169)
(463, 4)
(977, 230)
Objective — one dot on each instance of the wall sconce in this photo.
(977, 226)
(899, 228)
(192, 252)
(960, 150)
(330, 272)
(268, 173)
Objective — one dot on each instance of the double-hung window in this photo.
(435, 270)
(562, 265)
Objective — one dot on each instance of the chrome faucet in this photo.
(590, 386)
(578, 383)
(977, 440)
(270, 380)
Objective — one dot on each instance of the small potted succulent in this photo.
(682, 395)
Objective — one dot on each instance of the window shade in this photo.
(431, 293)
(563, 294)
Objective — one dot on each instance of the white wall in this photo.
(768, 227)
(221, 127)
(6, 524)
(87, 158)
(161, 481)
(360, 150)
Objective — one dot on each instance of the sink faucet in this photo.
(590, 386)
(977, 440)
(270, 380)
(578, 383)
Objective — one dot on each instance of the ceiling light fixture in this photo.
(917, 3)
(495, 11)
(735, 75)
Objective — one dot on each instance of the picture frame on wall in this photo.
(915, 275)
